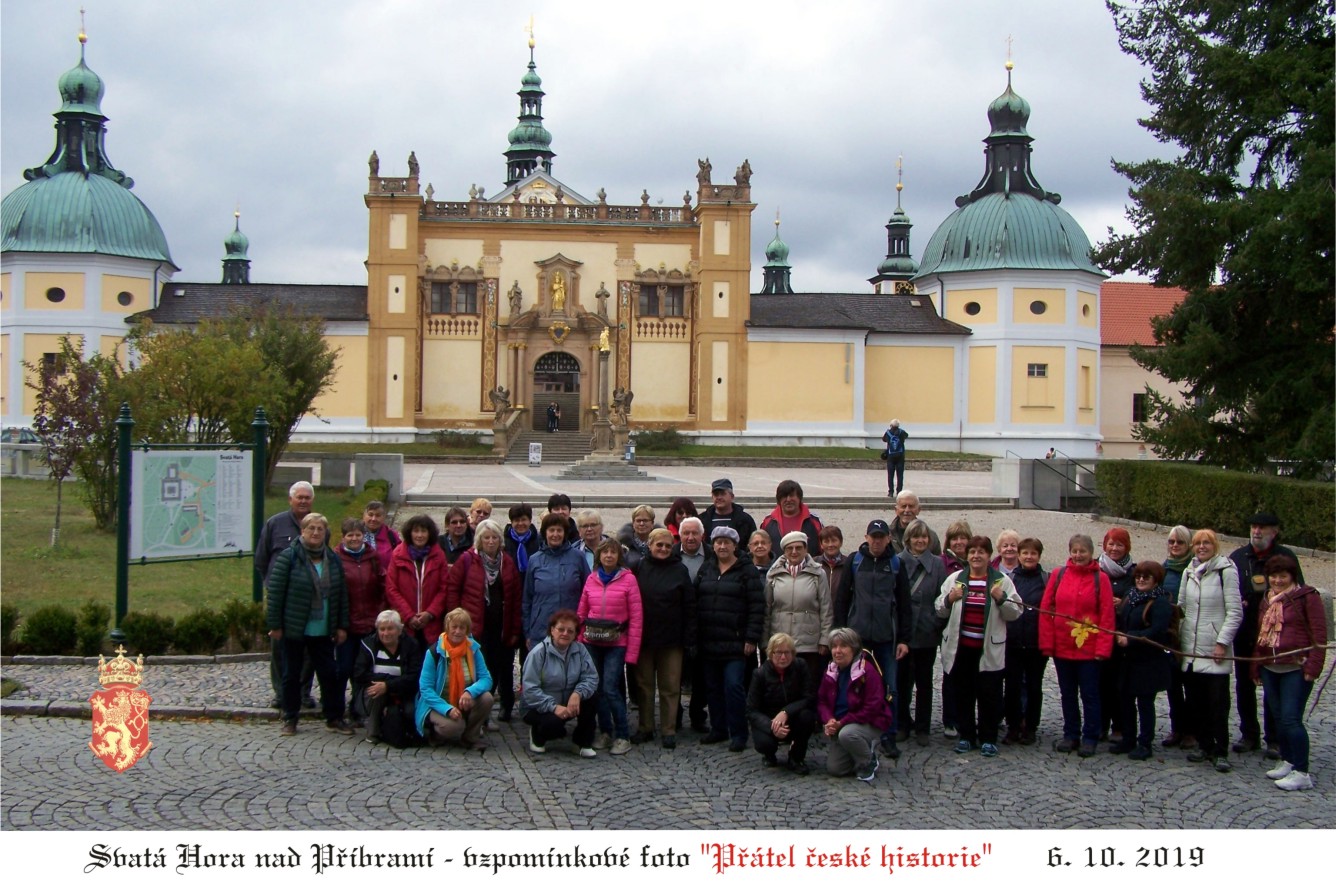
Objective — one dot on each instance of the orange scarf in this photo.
(460, 662)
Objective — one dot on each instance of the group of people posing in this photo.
(782, 635)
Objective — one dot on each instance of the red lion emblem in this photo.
(120, 713)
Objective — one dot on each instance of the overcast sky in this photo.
(276, 105)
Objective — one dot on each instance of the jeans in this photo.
(321, 651)
(1138, 716)
(895, 473)
(884, 653)
(728, 697)
(611, 703)
(1286, 694)
(1079, 677)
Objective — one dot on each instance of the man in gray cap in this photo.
(723, 512)
(1250, 560)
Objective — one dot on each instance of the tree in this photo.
(78, 401)
(1242, 221)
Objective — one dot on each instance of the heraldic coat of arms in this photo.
(120, 713)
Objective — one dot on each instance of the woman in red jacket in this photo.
(1076, 620)
(485, 583)
(415, 580)
(364, 579)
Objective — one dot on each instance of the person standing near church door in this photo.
(895, 437)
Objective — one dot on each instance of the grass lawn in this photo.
(32, 574)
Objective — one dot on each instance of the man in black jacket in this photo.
(723, 512)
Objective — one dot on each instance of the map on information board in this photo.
(190, 503)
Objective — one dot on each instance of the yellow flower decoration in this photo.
(1082, 630)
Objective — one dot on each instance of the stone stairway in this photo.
(560, 448)
(602, 467)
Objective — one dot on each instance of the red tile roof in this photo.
(1126, 309)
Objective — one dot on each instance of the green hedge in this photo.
(1199, 497)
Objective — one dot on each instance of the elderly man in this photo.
(1250, 560)
(723, 512)
(693, 552)
(277, 534)
(691, 548)
(386, 676)
(895, 437)
(907, 511)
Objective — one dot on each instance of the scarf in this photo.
(319, 582)
(1273, 620)
(348, 550)
(1177, 564)
(606, 577)
(459, 661)
(1118, 569)
(491, 567)
(521, 552)
(790, 524)
(794, 568)
(418, 553)
(1136, 596)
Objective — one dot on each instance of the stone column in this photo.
(603, 438)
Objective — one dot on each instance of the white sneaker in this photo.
(1280, 771)
(586, 752)
(603, 741)
(950, 732)
(621, 747)
(1297, 781)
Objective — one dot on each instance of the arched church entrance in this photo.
(556, 379)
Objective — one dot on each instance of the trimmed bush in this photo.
(1168, 492)
(148, 634)
(245, 623)
(669, 440)
(9, 620)
(374, 490)
(94, 619)
(51, 631)
(200, 633)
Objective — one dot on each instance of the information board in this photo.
(189, 503)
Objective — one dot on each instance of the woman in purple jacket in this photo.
(852, 708)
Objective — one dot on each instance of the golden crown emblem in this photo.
(120, 670)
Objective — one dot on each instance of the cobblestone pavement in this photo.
(237, 773)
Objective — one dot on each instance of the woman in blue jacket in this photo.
(554, 580)
(455, 688)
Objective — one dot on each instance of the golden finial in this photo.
(529, 29)
(83, 34)
(900, 174)
(1010, 64)
(776, 220)
(236, 215)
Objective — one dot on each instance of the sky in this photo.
(274, 107)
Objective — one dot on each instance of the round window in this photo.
(1038, 307)
(972, 308)
(55, 295)
(125, 298)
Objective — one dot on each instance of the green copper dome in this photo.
(75, 213)
(80, 90)
(1009, 113)
(236, 244)
(529, 137)
(776, 252)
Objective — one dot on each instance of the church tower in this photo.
(530, 142)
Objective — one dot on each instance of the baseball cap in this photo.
(721, 484)
(878, 527)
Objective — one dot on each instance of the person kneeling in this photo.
(852, 707)
(454, 692)
(385, 676)
(559, 683)
(781, 705)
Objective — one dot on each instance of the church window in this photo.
(55, 295)
(1036, 369)
(1038, 307)
(459, 298)
(125, 298)
(972, 308)
(662, 300)
(1139, 412)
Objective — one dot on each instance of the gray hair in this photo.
(848, 637)
(917, 528)
(391, 616)
(588, 515)
(299, 486)
(694, 521)
(1081, 538)
(489, 525)
(1181, 533)
(905, 493)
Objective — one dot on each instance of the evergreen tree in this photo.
(1242, 221)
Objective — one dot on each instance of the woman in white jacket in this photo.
(797, 602)
(1212, 613)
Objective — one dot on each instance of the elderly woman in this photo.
(485, 582)
(1143, 634)
(558, 682)
(415, 579)
(1179, 556)
(781, 705)
(364, 580)
(308, 614)
(668, 606)
(851, 707)
(455, 688)
(730, 616)
(1212, 612)
(760, 551)
(791, 515)
(612, 620)
(479, 510)
(1023, 676)
(1075, 621)
(554, 580)
(635, 534)
(798, 603)
(1291, 640)
(458, 535)
(386, 675)
(1008, 551)
(914, 676)
(977, 603)
(957, 539)
(831, 556)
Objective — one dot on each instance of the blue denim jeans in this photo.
(1286, 693)
(728, 698)
(611, 703)
(1079, 677)
(884, 653)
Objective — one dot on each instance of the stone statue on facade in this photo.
(412, 164)
(516, 298)
(743, 175)
(500, 397)
(620, 409)
(374, 163)
(703, 174)
(602, 295)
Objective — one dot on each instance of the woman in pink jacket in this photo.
(415, 580)
(612, 620)
(1076, 620)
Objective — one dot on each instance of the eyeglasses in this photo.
(1142, 575)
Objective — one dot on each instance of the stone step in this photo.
(629, 499)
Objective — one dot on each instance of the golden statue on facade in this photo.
(559, 293)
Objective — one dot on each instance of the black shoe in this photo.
(1064, 746)
(1086, 749)
(769, 759)
(800, 767)
(1222, 765)
(308, 702)
(642, 736)
(1140, 753)
(670, 742)
(1272, 752)
(1197, 756)
(1121, 748)
(1246, 744)
(922, 737)
(1172, 740)
(506, 716)
(738, 745)
(276, 703)
(698, 727)
(890, 749)
(710, 739)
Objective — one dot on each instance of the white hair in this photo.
(694, 521)
(391, 616)
(298, 486)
